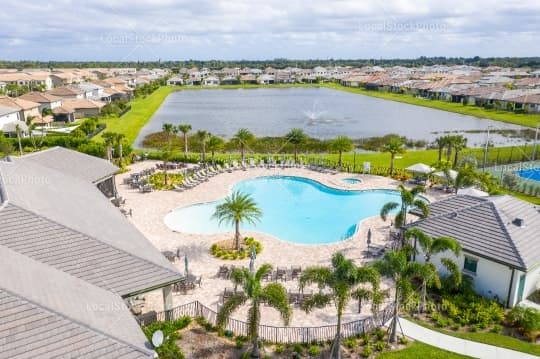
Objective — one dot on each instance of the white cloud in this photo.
(234, 29)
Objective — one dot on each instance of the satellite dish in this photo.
(157, 338)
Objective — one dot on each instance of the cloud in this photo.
(236, 29)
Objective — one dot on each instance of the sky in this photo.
(137, 30)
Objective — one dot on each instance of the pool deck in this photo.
(149, 210)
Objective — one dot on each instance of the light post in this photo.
(368, 240)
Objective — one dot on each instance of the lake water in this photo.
(321, 112)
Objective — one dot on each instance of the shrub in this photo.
(298, 348)
(380, 345)
(496, 328)
(380, 333)
(168, 349)
(366, 352)
(280, 348)
(226, 253)
(350, 342)
(314, 350)
(240, 341)
(403, 341)
(526, 319)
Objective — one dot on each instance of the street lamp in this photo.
(368, 239)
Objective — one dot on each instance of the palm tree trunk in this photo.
(339, 158)
(19, 140)
(295, 154)
(391, 164)
(456, 154)
(440, 154)
(242, 152)
(424, 297)
(165, 175)
(336, 347)
(185, 144)
(120, 150)
(237, 235)
(393, 331)
(255, 335)
(448, 153)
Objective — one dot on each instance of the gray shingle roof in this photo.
(484, 226)
(79, 255)
(73, 163)
(46, 313)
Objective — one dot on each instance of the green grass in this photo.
(529, 120)
(141, 111)
(499, 340)
(525, 197)
(421, 350)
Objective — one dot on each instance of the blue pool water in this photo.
(295, 209)
(530, 174)
(352, 180)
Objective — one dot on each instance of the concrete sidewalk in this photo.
(457, 345)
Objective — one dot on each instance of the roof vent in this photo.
(519, 222)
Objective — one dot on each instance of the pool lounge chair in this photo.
(178, 188)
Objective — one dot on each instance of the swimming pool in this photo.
(295, 209)
(530, 174)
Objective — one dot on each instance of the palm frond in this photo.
(229, 306)
(387, 208)
(263, 269)
(442, 244)
(317, 274)
(317, 300)
(254, 318)
(423, 206)
(455, 276)
(275, 295)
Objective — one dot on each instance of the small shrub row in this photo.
(232, 254)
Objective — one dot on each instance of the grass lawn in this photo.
(421, 350)
(499, 340)
(529, 120)
(141, 111)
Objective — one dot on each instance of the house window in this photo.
(470, 265)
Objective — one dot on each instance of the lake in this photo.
(321, 112)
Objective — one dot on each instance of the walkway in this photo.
(457, 345)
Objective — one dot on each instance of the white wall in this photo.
(491, 278)
(532, 282)
(8, 118)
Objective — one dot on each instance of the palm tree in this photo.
(203, 137)
(396, 266)
(430, 246)
(341, 144)
(108, 138)
(243, 137)
(273, 295)
(441, 144)
(19, 131)
(394, 147)
(450, 140)
(118, 139)
(215, 144)
(185, 128)
(458, 143)
(5, 146)
(339, 281)
(166, 157)
(409, 199)
(297, 137)
(169, 130)
(237, 208)
(31, 127)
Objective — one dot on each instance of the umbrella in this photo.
(441, 174)
(368, 238)
(471, 191)
(186, 265)
(420, 168)
(252, 256)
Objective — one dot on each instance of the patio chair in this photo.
(178, 188)
(295, 272)
(281, 273)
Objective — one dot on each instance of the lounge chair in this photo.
(178, 188)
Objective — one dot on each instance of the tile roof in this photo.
(46, 313)
(6, 110)
(73, 163)
(40, 97)
(18, 103)
(485, 227)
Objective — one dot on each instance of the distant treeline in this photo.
(533, 62)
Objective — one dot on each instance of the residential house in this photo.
(71, 262)
(27, 109)
(230, 80)
(9, 120)
(248, 79)
(82, 107)
(529, 103)
(499, 238)
(211, 81)
(266, 79)
(175, 81)
(67, 92)
(91, 91)
(46, 101)
(64, 78)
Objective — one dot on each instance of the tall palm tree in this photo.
(339, 281)
(458, 143)
(441, 144)
(119, 139)
(237, 208)
(409, 199)
(430, 246)
(393, 147)
(273, 294)
(108, 138)
(215, 144)
(395, 265)
(296, 137)
(169, 130)
(166, 155)
(185, 128)
(203, 137)
(19, 132)
(450, 140)
(243, 137)
(341, 144)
